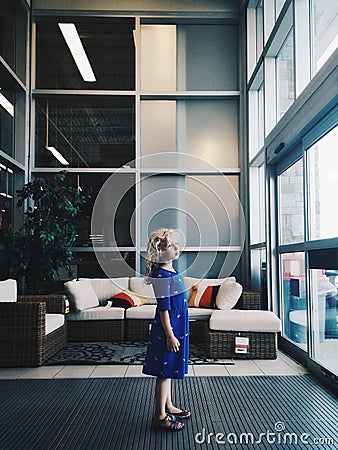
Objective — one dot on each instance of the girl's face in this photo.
(171, 253)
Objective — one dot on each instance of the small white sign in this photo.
(241, 344)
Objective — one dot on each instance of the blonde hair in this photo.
(158, 242)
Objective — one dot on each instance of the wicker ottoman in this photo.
(259, 327)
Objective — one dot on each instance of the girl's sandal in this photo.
(169, 423)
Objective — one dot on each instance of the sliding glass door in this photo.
(308, 247)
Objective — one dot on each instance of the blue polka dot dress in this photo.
(170, 294)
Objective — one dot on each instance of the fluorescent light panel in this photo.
(58, 155)
(74, 43)
(7, 105)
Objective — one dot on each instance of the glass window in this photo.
(325, 32)
(294, 298)
(158, 132)
(257, 204)
(260, 116)
(211, 58)
(278, 7)
(108, 44)
(207, 129)
(158, 57)
(205, 264)
(285, 76)
(7, 111)
(206, 208)
(105, 220)
(6, 198)
(259, 275)
(13, 23)
(256, 115)
(188, 57)
(324, 317)
(259, 29)
(291, 204)
(6, 217)
(86, 131)
(103, 264)
(323, 177)
(212, 131)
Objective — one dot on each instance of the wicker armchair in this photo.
(23, 338)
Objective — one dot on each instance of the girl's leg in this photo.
(161, 394)
(169, 407)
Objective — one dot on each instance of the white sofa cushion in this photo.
(138, 286)
(228, 295)
(107, 287)
(244, 320)
(81, 295)
(141, 312)
(8, 290)
(200, 313)
(53, 322)
(97, 313)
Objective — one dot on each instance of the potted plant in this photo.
(43, 244)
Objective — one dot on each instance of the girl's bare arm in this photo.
(173, 344)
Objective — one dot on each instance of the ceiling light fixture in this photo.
(6, 104)
(58, 155)
(50, 148)
(74, 43)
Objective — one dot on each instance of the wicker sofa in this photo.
(32, 328)
(102, 323)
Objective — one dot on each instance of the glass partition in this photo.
(188, 57)
(324, 317)
(86, 131)
(285, 76)
(103, 264)
(13, 28)
(105, 220)
(206, 129)
(291, 204)
(7, 114)
(325, 32)
(158, 57)
(108, 44)
(205, 208)
(294, 298)
(205, 264)
(323, 177)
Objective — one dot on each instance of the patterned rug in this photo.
(120, 353)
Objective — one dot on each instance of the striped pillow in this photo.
(204, 296)
(126, 299)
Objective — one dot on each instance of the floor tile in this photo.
(109, 371)
(244, 369)
(75, 372)
(11, 373)
(210, 370)
(275, 367)
(135, 371)
(41, 372)
(283, 365)
(191, 372)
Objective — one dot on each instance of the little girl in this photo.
(168, 347)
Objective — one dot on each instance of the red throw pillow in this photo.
(204, 297)
(126, 299)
